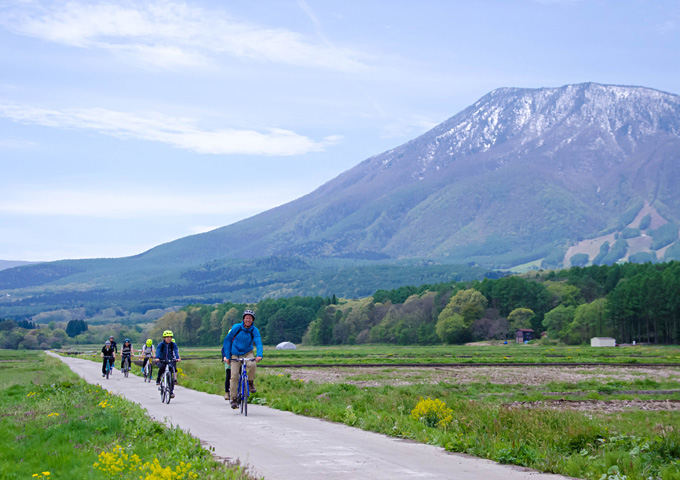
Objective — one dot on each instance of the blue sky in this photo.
(124, 125)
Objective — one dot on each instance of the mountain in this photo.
(512, 177)
(5, 264)
(521, 176)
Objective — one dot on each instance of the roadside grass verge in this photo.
(55, 425)
(484, 423)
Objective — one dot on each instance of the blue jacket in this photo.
(167, 351)
(240, 340)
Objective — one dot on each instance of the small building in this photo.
(602, 342)
(286, 346)
(524, 335)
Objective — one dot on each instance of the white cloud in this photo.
(172, 34)
(178, 132)
(17, 144)
(119, 203)
(406, 127)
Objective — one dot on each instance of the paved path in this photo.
(281, 445)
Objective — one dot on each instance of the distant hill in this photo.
(542, 177)
(5, 264)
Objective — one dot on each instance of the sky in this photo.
(125, 125)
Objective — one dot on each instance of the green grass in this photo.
(638, 444)
(52, 421)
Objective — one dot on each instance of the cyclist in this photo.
(147, 352)
(126, 352)
(108, 353)
(239, 343)
(114, 346)
(166, 352)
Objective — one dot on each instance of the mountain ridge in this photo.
(519, 176)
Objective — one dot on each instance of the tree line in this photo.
(627, 301)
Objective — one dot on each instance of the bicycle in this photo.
(167, 385)
(243, 386)
(148, 371)
(108, 367)
(126, 366)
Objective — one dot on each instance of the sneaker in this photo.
(251, 387)
(158, 384)
(175, 381)
(103, 375)
(226, 396)
(172, 395)
(234, 405)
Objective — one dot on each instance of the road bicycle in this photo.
(148, 371)
(243, 386)
(126, 366)
(107, 369)
(167, 385)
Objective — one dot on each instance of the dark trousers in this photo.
(227, 380)
(161, 369)
(110, 359)
(123, 359)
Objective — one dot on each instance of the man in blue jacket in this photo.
(239, 344)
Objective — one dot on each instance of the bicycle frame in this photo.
(167, 385)
(243, 387)
(125, 367)
(108, 367)
(148, 370)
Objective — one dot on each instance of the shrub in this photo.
(630, 232)
(433, 413)
(664, 235)
(579, 260)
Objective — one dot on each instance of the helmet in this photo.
(107, 343)
(111, 336)
(249, 312)
(149, 342)
(127, 340)
(168, 333)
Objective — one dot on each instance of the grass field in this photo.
(618, 421)
(614, 421)
(56, 426)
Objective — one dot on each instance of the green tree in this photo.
(452, 329)
(520, 318)
(557, 320)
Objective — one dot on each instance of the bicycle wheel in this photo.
(168, 388)
(162, 390)
(126, 369)
(150, 370)
(108, 369)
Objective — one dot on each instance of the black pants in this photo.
(146, 360)
(161, 369)
(227, 380)
(110, 359)
(122, 361)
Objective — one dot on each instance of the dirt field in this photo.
(530, 376)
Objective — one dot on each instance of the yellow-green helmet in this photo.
(149, 342)
(168, 333)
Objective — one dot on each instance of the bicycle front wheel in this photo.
(168, 385)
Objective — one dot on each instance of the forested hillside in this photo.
(626, 301)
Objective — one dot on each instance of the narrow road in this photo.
(281, 445)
